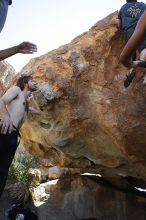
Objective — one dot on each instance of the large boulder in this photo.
(89, 119)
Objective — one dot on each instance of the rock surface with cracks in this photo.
(89, 120)
(7, 73)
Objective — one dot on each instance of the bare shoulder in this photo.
(11, 93)
(14, 89)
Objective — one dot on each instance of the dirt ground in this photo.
(6, 204)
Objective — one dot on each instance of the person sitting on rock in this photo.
(134, 41)
(25, 47)
(13, 111)
(128, 18)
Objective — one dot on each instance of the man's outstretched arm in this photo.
(25, 48)
(133, 42)
(34, 109)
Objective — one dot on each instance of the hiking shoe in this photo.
(129, 78)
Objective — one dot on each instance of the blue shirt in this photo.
(3, 12)
(130, 13)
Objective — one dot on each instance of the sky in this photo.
(50, 23)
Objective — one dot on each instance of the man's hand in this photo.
(26, 48)
(6, 125)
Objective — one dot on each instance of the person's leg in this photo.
(141, 62)
(131, 73)
(8, 146)
(127, 35)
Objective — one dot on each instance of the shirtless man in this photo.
(13, 111)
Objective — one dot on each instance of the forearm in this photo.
(133, 42)
(130, 48)
(34, 110)
(35, 107)
(3, 110)
(8, 52)
(6, 125)
(25, 48)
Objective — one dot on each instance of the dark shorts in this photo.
(8, 146)
(128, 33)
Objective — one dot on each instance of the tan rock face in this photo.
(89, 119)
(80, 198)
(7, 73)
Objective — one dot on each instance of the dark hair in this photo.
(131, 0)
(23, 80)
